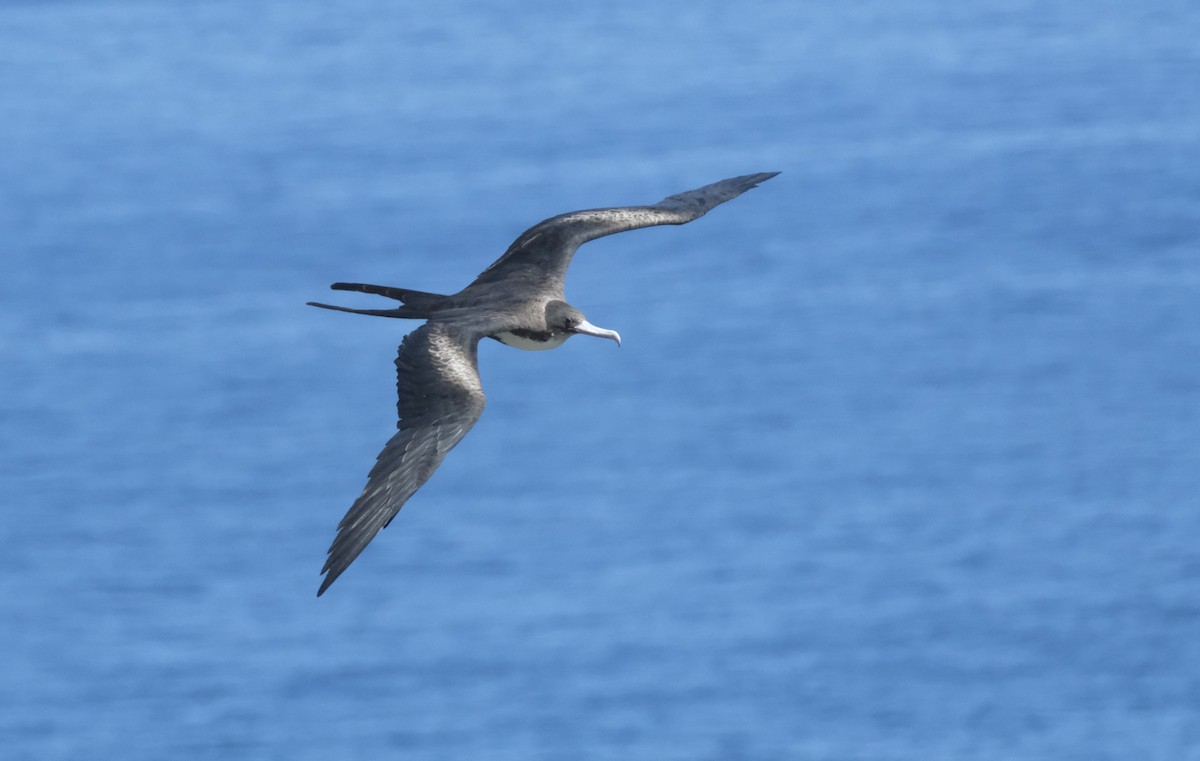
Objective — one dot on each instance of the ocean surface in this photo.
(900, 458)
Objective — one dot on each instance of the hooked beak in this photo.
(588, 329)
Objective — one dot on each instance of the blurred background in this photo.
(900, 458)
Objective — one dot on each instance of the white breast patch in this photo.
(528, 344)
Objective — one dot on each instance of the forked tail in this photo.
(415, 305)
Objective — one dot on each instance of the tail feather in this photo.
(416, 305)
(400, 311)
(417, 299)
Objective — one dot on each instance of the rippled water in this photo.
(900, 458)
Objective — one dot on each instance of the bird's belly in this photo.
(533, 341)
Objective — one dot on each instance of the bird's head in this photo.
(561, 317)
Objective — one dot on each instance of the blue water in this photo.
(900, 458)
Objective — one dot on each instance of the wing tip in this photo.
(333, 568)
(325, 584)
(753, 180)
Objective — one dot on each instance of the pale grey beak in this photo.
(588, 329)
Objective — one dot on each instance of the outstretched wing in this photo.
(543, 252)
(440, 399)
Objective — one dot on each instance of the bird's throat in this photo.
(531, 340)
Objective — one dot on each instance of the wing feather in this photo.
(542, 253)
(440, 398)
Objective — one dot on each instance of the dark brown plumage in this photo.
(517, 300)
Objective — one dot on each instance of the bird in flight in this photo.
(518, 301)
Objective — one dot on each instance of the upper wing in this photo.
(543, 252)
(440, 399)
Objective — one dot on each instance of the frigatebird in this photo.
(518, 301)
